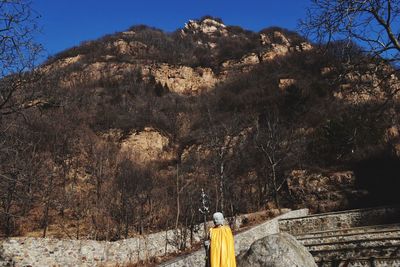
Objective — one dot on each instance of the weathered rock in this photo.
(146, 146)
(247, 60)
(276, 50)
(182, 79)
(62, 63)
(304, 46)
(370, 85)
(285, 83)
(207, 26)
(131, 48)
(278, 250)
(281, 38)
(89, 74)
(250, 59)
(324, 192)
(264, 39)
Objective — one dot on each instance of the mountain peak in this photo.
(206, 25)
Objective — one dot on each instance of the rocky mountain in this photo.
(176, 60)
(131, 127)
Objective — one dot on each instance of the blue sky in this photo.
(66, 23)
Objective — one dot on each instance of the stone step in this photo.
(350, 237)
(350, 231)
(386, 247)
(339, 220)
(362, 262)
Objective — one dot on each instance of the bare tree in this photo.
(133, 184)
(18, 55)
(18, 52)
(273, 140)
(370, 26)
(20, 170)
(221, 141)
(101, 166)
(375, 24)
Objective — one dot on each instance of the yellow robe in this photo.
(222, 251)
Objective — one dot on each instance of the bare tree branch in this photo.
(374, 24)
(18, 54)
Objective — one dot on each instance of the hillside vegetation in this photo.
(128, 129)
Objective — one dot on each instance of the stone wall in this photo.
(340, 220)
(41, 252)
(243, 240)
(57, 252)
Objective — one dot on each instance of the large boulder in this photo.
(278, 250)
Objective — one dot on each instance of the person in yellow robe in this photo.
(221, 244)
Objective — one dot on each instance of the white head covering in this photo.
(218, 218)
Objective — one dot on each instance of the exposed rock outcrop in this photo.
(392, 136)
(278, 250)
(250, 59)
(146, 146)
(179, 79)
(285, 83)
(182, 79)
(374, 83)
(323, 192)
(128, 48)
(206, 26)
(280, 45)
(62, 63)
(275, 37)
(124, 56)
(90, 74)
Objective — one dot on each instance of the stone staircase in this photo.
(363, 237)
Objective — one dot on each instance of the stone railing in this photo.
(243, 240)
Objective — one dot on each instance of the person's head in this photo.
(218, 218)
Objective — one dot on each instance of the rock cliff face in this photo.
(182, 79)
(207, 26)
(376, 83)
(147, 146)
(132, 48)
(124, 56)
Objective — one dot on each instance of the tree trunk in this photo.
(221, 187)
(178, 208)
(10, 197)
(45, 220)
(47, 206)
(126, 224)
(275, 186)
